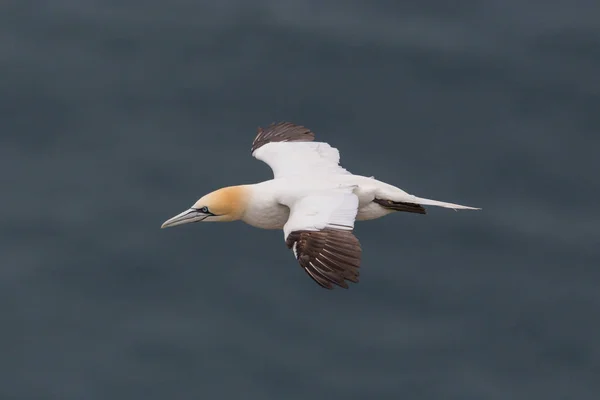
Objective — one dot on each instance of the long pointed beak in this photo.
(191, 215)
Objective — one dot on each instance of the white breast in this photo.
(263, 210)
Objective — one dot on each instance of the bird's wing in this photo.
(319, 232)
(290, 150)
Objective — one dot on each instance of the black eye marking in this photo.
(204, 210)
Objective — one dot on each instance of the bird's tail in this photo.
(415, 205)
(429, 202)
(396, 199)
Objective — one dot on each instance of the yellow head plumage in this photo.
(226, 204)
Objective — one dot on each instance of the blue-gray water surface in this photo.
(116, 115)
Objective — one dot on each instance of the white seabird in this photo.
(312, 198)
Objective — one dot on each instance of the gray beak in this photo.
(186, 217)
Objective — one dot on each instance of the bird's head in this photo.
(226, 204)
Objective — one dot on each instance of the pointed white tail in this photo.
(429, 202)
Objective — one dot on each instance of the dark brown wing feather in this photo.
(401, 206)
(282, 132)
(329, 256)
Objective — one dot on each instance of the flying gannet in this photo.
(312, 198)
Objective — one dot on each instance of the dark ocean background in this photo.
(116, 115)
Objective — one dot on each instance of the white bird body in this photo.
(312, 198)
(266, 207)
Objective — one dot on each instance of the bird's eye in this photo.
(204, 210)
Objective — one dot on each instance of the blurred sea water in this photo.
(118, 115)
